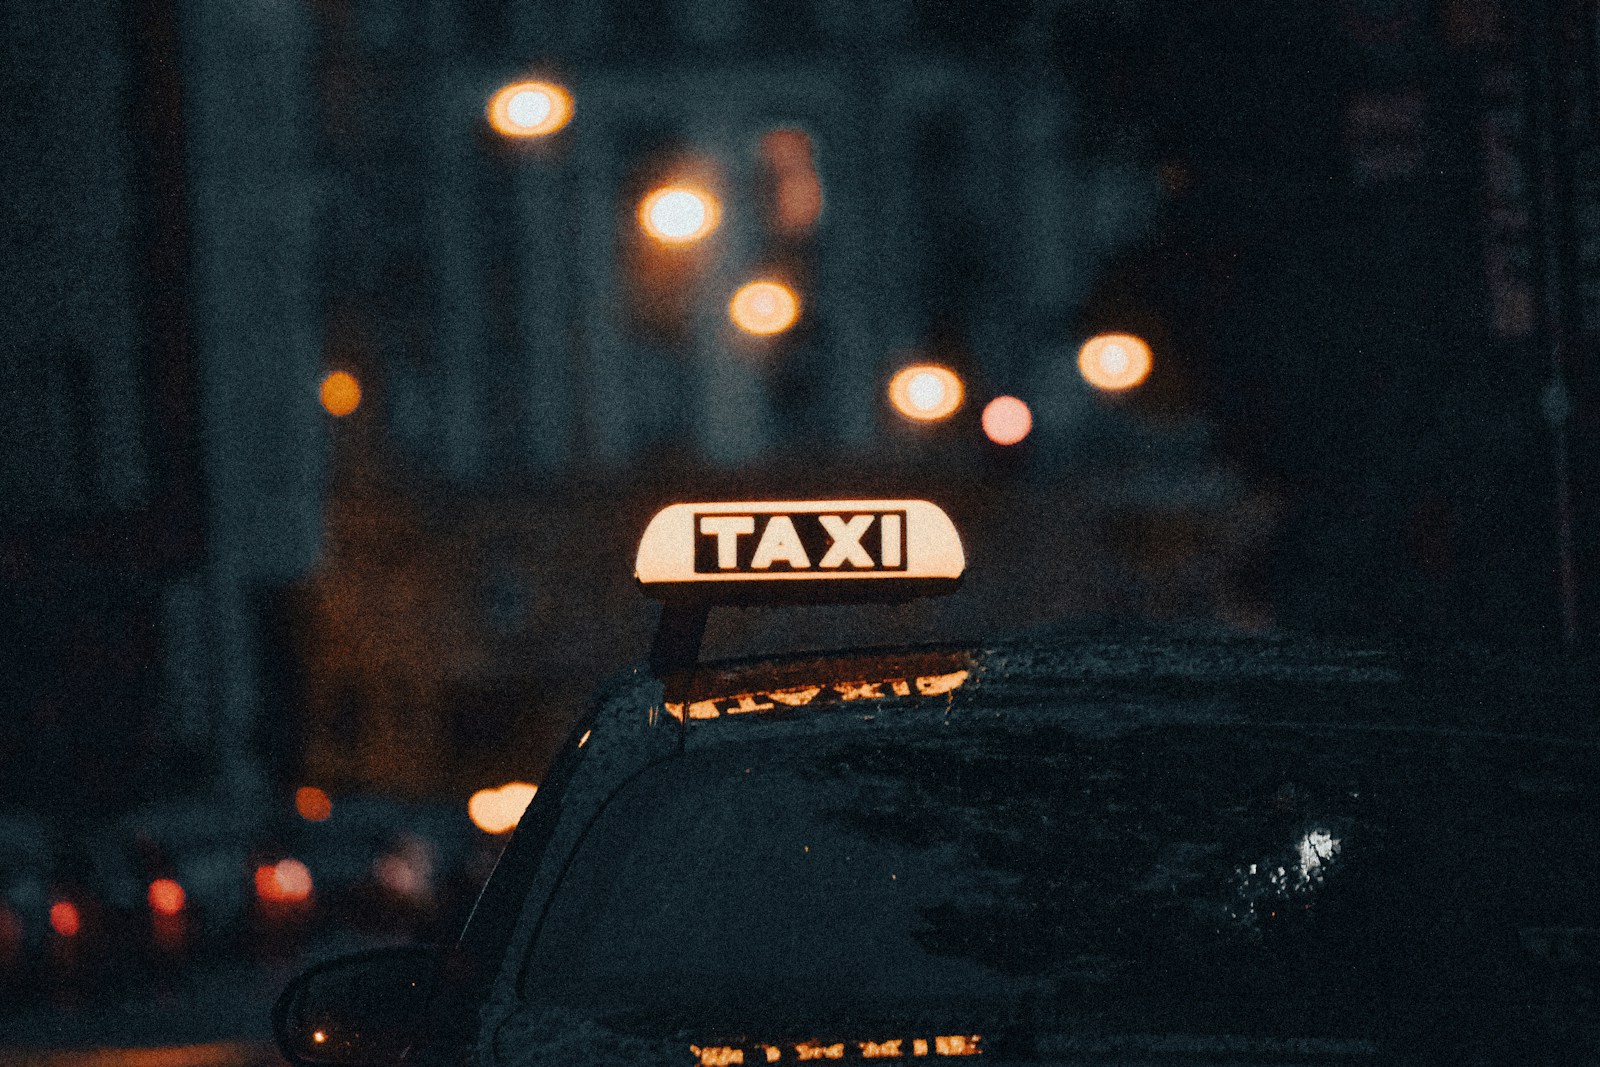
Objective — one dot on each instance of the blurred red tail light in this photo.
(64, 918)
(166, 897)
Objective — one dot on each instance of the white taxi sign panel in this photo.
(871, 548)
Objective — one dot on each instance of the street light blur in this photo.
(530, 109)
(1114, 362)
(679, 214)
(764, 308)
(495, 811)
(926, 392)
(340, 393)
(1006, 420)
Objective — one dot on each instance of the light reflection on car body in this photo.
(830, 692)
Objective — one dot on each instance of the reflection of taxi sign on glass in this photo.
(693, 556)
(863, 549)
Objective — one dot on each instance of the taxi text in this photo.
(800, 541)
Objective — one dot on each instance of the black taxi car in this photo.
(1070, 847)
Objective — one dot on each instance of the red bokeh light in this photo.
(64, 918)
(166, 897)
(312, 804)
(285, 882)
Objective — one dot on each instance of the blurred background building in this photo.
(912, 174)
(214, 584)
(160, 466)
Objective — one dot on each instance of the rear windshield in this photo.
(1180, 875)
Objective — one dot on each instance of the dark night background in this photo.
(1362, 238)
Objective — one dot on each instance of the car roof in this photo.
(1289, 677)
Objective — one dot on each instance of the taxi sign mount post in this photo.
(693, 557)
(676, 645)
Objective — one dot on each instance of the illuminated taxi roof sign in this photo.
(799, 550)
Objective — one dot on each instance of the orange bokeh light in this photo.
(340, 393)
(166, 897)
(285, 882)
(1006, 420)
(926, 392)
(530, 109)
(764, 308)
(679, 214)
(1114, 361)
(312, 804)
(494, 811)
(64, 918)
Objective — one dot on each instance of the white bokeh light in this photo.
(764, 307)
(926, 391)
(1113, 362)
(678, 214)
(530, 107)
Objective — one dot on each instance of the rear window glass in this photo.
(1237, 878)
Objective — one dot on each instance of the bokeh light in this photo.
(1114, 361)
(764, 308)
(312, 804)
(494, 811)
(926, 392)
(340, 393)
(530, 109)
(166, 897)
(407, 870)
(1006, 420)
(797, 190)
(64, 918)
(679, 214)
(285, 882)
(401, 876)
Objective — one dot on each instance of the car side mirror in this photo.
(363, 1010)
